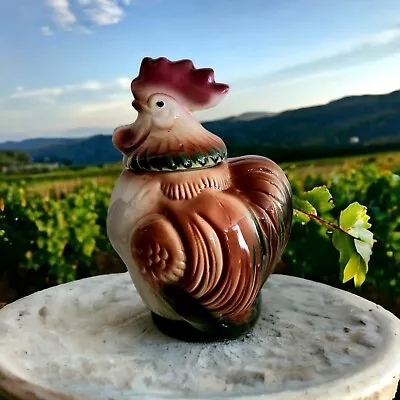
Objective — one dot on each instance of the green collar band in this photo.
(180, 162)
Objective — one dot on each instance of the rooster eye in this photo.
(160, 104)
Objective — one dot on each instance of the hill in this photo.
(353, 124)
(96, 149)
(250, 116)
(37, 143)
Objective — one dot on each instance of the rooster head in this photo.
(165, 135)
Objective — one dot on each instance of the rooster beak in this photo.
(137, 106)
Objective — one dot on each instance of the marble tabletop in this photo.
(94, 339)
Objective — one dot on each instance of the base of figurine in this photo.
(95, 339)
(217, 331)
(180, 330)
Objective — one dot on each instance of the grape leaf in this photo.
(364, 250)
(355, 269)
(343, 244)
(320, 198)
(355, 215)
(300, 217)
(304, 206)
(301, 208)
(354, 220)
(317, 200)
(362, 234)
(353, 264)
(354, 242)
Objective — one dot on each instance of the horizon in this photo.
(275, 57)
(86, 133)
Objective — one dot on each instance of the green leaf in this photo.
(354, 257)
(354, 220)
(364, 250)
(362, 234)
(320, 198)
(354, 216)
(351, 268)
(304, 205)
(300, 217)
(301, 208)
(344, 244)
(355, 269)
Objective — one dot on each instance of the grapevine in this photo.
(46, 239)
(351, 236)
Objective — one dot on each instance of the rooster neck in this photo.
(187, 185)
(184, 158)
(183, 148)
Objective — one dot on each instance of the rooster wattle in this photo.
(198, 232)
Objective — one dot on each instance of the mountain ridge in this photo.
(374, 120)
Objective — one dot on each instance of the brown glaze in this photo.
(207, 229)
(204, 235)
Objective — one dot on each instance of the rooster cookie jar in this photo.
(199, 232)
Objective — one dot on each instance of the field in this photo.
(52, 226)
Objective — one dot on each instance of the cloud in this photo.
(85, 86)
(383, 37)
(98, 12)
(104, 107)
(359, 52)
(46, 31)
(103, 12)
(50, 93)
(63, 15)
(123, 83)
(39, 93)
(111, 112)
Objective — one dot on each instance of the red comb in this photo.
(195, 88)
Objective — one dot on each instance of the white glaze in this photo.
(133, 197)
(94, 339)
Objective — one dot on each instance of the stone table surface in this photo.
(94, 339)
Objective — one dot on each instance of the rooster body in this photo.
(199, 233)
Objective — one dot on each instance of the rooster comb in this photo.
(195, 88)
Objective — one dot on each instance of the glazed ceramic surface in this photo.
(199, 232)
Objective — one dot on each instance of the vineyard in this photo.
(55, 232)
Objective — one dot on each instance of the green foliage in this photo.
(354, 242)
(45, 240)
(320, 198)
(56, 238)
(65, 173)
(13, 157)
(378, 190)
(317, 200)
(351, 237)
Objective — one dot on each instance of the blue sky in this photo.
(66, 65)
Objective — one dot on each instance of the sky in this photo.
(66, 65)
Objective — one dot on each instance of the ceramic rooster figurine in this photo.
(199, 232)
